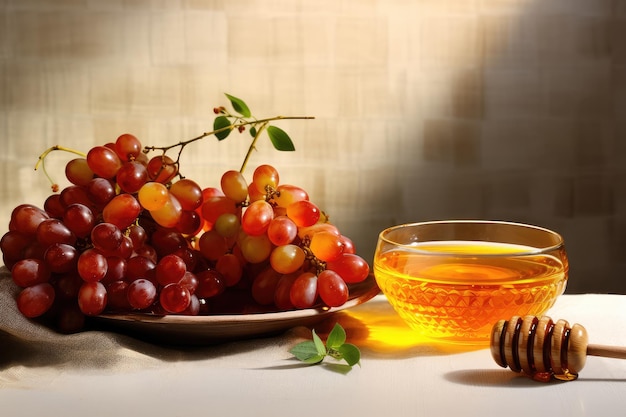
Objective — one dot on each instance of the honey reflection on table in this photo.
(376, 329)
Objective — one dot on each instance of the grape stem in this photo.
(42, 160)
(252, 147)
(239, 123)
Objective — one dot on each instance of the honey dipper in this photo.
(543, 349)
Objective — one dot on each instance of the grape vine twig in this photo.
(42, 161)
(226, 122)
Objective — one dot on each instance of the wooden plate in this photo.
(212, 329)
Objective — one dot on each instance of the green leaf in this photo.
(305, 351)
(336, 337)
(351, 353)
(280, 139)
(220, 123)
(239, 105)
(319, 345)
(314, 359)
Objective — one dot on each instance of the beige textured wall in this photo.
(425, 109)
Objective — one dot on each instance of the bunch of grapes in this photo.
(131, 234)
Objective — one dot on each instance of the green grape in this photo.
(255, 249)
(77, 171)
(287, 258)
(227, 225)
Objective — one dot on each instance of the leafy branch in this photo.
(314, 351)
(226, 122)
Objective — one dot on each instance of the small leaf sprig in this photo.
(227, 121)
(314, 351)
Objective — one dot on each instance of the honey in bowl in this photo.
(451, 281)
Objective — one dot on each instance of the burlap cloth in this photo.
(27, 344)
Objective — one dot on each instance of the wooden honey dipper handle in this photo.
(543, 348)
(617, 352)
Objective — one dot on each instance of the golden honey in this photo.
(454, 291)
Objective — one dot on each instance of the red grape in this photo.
(332, 288)
(210, 283)
(35, 300)
(257, 217)
(131, 176)
(303, 292)
(92, 265)
(303, 213)
(264, 286)
(265, 176)
(352, 268)
(170, 269)
(234, 186)
(188, 193)
(28, 272)
(54, 231)
(141, 293)
(122, 210)
(103, 161)
(106, 237)
(127, 147)
(25, 219)
(174, 298)
(282, 230)
(162, 169)
(79, 219)
(92, 298)
(61, 258)
(78, 172)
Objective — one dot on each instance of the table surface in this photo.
(400, 374)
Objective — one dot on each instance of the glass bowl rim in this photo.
(534, 251)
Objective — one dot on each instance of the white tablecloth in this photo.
(99, 374)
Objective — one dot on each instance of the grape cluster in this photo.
(131, 234)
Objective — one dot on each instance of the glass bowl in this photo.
(452, 280)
